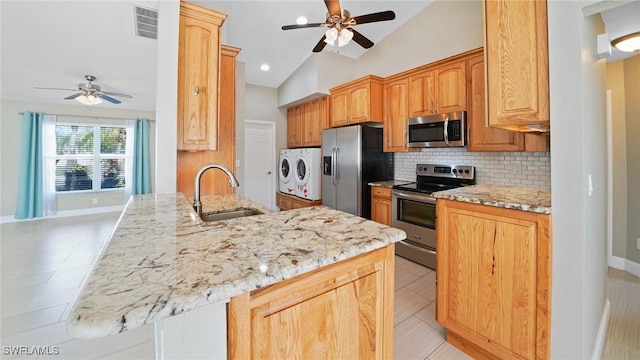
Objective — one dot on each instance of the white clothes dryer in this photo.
(308, 173)
(286, 170)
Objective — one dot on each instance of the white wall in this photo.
(442, 29)
(578, 149)
(10, 143)
(167, 95)
(632, 100)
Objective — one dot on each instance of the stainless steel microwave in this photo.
(441, 130)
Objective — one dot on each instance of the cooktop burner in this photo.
(435, 177)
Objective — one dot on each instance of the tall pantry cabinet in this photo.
(207, 105)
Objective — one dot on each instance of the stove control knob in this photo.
(455, 171)
(466, 171)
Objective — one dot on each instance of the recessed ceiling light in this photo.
(264, 67)
(301, 20)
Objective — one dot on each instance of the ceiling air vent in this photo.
(146, 21)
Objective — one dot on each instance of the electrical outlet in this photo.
(95, 201)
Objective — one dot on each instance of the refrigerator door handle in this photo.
(337, 173)
(333, 167)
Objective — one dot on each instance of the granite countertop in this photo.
(389, 183)
(162, 260)
(510, 197)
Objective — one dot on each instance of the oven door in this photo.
(415, 213)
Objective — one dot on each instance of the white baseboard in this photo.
(68, 213)
(624, 265)
(602, 331)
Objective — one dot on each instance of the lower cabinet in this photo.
(341, 311)
(288, 202)
(494, 280)
(381, 205)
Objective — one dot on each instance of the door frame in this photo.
(274, 165)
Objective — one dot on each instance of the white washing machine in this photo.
(308, 173)
(286, 170)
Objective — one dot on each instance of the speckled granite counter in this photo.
(162, 260)
(389, 183)
(509, 197)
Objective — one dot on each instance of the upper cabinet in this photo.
(357, 101)
(517, 63)
(395, 115)
(305, 123)
(482, 137)
(439, 90)
(198, 62)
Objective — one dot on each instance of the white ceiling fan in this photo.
(90, 93)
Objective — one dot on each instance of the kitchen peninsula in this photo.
(164, 263)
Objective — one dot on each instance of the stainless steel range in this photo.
(414, 209)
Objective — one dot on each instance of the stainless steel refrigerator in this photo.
(352, 157)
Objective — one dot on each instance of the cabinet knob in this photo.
(196, 90)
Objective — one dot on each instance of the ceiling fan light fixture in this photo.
(89, 99)
(331, 36)
(627, 43)
(345, 37)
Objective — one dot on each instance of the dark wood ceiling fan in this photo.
(340, 20)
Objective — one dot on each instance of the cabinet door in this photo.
(341, 311)
(198, 57)
(381, 207)
(493, 279)
(395, 115)
(313, 124)
(359, 104)
(451, 88)
(421, 94)
(294, 126)
(339, 109)
(517, 63)
(481, 136)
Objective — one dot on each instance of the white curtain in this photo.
(48, 165)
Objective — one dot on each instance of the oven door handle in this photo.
(420, 198)
(418, 248)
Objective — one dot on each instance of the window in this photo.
(90, 157)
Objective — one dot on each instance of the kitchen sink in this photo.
(232, 214)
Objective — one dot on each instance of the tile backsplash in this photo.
(530, 169)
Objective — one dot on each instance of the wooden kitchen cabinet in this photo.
(395, 99)
(305, 123)
(341, 311)
(198, 62)
(190, 162)
(381, 205)
(481, 136)
(494, 280)
(288, 202)
(517, 63)
(438, 90)
(357, 101)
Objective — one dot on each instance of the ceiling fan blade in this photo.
(74, 96)
(320, 45)
(333, 6)
(109, 98)
(374, 17)
(117, 94)
(361, 39)
(48, 88)
(291, 27)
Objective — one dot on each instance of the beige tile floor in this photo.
(45, 264)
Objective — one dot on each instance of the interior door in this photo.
(259, 162)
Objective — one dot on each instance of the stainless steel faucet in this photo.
(197, 205)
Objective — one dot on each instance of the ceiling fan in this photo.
(340, 23)
(90, 93)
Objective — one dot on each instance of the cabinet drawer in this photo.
(382, 192)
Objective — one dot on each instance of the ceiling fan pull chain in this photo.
(196, 90)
